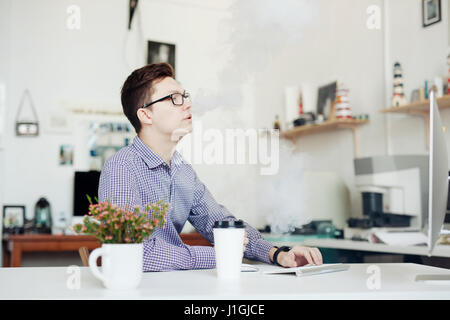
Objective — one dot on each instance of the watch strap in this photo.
(275, 255)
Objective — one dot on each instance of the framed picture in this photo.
(65, 155)
(161, 52)
(13, 219)
(325, 98)
(431, 12)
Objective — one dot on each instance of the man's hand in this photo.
(299, 256)
(245, 241)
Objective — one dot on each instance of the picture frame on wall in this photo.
(158, 52)
(13, 219)
(431, 12)
(325, 98)
(65, 155)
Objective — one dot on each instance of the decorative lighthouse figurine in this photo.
(342, 105)
(398, 98)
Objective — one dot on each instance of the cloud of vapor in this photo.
(284, 197)
(255, 33)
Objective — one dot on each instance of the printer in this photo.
(393, 191)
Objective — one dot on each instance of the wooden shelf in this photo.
(420, 107)
(329, 125)
(322, 127)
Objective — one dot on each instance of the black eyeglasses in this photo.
(177, 99)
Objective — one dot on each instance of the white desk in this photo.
(396, 280)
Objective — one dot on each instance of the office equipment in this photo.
(412, 238)
(315, 227)
(85, 183)
(437, 183)
(438, 175)
(375, 208)
(447, 215)
(248, 268)
(307, 270)
(394, 191)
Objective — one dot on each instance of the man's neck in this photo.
(159, 144)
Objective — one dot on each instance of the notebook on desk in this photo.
(307, 270)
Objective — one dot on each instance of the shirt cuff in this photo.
(202, 257)
(261, 250)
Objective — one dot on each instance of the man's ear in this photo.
(145, 116)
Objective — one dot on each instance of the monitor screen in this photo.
(447, 215)
(86, 183)
(438, 175)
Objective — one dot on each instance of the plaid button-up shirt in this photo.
(136, 175)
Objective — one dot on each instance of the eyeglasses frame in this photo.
(183, 95)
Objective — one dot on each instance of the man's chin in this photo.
(179, 133)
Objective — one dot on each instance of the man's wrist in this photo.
(271, 253)
(279, 251)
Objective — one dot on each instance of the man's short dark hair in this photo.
(138, 88)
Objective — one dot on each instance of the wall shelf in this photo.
(329, 125)
(421, 108)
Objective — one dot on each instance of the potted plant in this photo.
(121, 231)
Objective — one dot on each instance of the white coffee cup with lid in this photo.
(229, 244)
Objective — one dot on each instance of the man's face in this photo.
(167, 118)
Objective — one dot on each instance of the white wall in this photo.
(422, 53)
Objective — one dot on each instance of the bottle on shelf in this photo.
(277, 124)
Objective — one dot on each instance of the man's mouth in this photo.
(188, 117)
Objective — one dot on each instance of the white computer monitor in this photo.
(438, 175)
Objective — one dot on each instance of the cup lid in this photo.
(229, 224)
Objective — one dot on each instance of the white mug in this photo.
(229, 248)
(122, 265)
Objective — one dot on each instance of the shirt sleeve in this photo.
(205, 211)
(118, 185)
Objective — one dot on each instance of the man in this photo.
(151, 169)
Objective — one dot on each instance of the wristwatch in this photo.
(275, 255)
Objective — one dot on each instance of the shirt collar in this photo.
(151, 158)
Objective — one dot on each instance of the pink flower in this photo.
(108, 238)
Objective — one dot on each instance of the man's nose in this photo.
(187, 104)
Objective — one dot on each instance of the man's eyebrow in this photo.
(176, 91)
